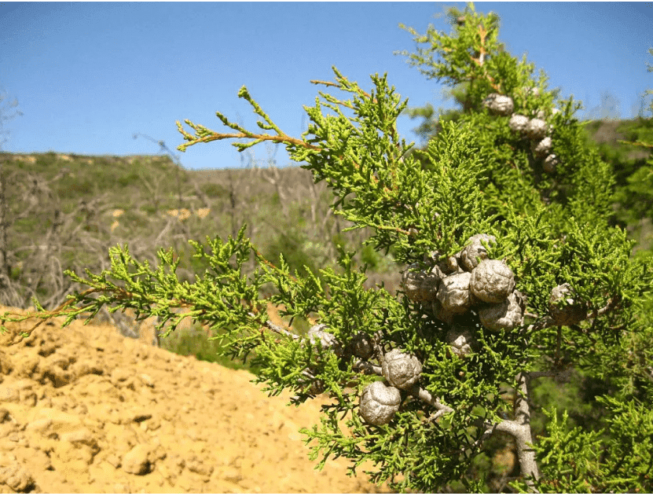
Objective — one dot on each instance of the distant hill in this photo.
(64, 211)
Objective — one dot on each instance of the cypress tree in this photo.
(514, 272)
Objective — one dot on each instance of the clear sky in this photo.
(88, 76)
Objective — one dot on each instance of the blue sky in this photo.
(88, 76)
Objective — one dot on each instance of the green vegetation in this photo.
(196, 342)
(628, 147)
(523, 324)
(76, 207)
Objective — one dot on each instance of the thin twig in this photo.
(368, 368)
(280, 330)
(433, 417)
(428, 398)
(636, 143)
(259, 137)
(46, 315)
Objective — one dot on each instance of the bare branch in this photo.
(368, 368)
(280, 330)
(521, 431)
(426, 397)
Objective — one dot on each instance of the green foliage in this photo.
(128, 178)
(296, 251)
(637, 195)
(475, 176)
(624, 146)
(195, 342)
(472, 61)
(214, 190)
(617, 461)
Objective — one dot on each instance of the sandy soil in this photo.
(86, 410)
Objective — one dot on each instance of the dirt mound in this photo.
(86, 410)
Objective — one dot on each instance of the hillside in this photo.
(65, 211)
(85, 410)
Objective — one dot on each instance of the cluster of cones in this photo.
(536, 129)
